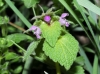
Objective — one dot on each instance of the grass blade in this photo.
(87, 62)
(90, 28)
(12, 6)
(90, 6)
(95, 65)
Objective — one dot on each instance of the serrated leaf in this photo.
(31, 48)
(76, 70)
(51, 32)
(64, 52)
(30, 3)
(17, 37)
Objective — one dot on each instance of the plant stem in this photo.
(4, 30)
(18, 46)
(3, 8)
(16, 26)
(34, 13)
(57, 68)
(41, 8)
(27, 65)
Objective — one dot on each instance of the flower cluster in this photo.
(47, 19)
(36, 30)
(63, 21)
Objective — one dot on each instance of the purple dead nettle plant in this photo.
(37, 30)
(47, 19)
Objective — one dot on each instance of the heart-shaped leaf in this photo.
(51, 32)
(64, 52)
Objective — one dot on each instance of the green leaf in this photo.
(17, 37)
(1, 3)
(91, 20)
(93, 16)
(87, 49)
(30, 49)
(1, 20)
(95, 65)
(86, 60)
(4, 66)
(18, 70)
(30, 3)
(41, 57)
(51, 32)
(80, 60)
(4, 72)
(10, 56)
(4, 20)
(3, 43)
(90, 6)
(76, 70)
(64, 52)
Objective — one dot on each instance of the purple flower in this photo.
(47, 18)
(36, 30)
(63, 21)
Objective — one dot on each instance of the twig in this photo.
(16, 26)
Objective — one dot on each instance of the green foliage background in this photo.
(61, 50)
